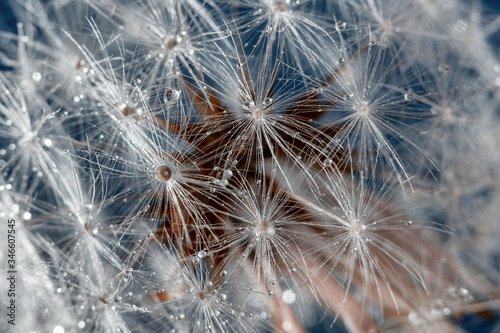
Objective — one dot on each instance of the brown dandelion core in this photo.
(202, 295)
(264, 229)
(363, 109)
(169, 42)
(163, 173)
(257, 114)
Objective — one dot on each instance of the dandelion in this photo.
(249, 166)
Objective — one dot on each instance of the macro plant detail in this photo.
(250, 166)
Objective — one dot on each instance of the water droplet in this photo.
(414, 318)
(267, 101)
(227, 174)
(340, 25)
(37, 76)
(270, 293)
(81, 324)
(288, 296)
(222, 297)
(409, 96)
(223, 273)
(443, 67)
(202, 254)
(27, 216)
(287, 326)
(48, 143)
(341, 61)
(58, 329)
(327, 162)
(171, 96)
(461, 26)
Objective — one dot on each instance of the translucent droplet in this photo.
(443, 67)
(202, 254)
(227, 174)
(327, 162)
(461, 26)
(58, 329)
(288, 296)
(341, 61)
(171, 96)
(268, 101)
(409, 96)
(270, 293)
(27, 216)
(222, 297)
(223, 273)
(48, 143)
(287, 326)
(340, 25)
(37, 76)
(81, 324)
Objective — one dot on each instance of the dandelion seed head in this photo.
(170, 42)
(363, 109)
(163, 173)
(264, 230)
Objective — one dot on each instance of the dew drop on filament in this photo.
(202, 254)
(409, 96)
(171, 96)
(443, 67)
(340, 25)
